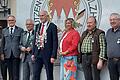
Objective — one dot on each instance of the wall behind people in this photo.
(107, 9)
(22, 11)
(24, 8)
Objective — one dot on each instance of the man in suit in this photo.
(45, 46)
(1, 38)
(11, 50)
(1, 51)
(26, 48)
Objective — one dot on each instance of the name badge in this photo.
(118, 41)
(92, 40)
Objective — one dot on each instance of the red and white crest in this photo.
(59, 10)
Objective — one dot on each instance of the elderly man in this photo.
(11, 41)
(113, 46)
(92, 48)
(45, 46)
(26, 50)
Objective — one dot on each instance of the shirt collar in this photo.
(30, 31)
(118, 29)
(92, 31)
(45, 24)
(12, 27)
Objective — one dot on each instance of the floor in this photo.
(104, 74)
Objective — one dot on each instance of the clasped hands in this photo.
(28, 49)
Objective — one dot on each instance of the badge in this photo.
(92, 40)
(118, 41)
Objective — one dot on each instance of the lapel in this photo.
(31, 36)
(7, 31)
(15, 30)
(38, 27)
(69, 33)
(25, 37)
(48, 25)
(33, 32)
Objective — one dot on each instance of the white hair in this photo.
(115, 14)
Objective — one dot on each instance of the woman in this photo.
(68, 51)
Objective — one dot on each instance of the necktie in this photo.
(27, 42)
(42, 28)
(28, 36)
(41, 38)
(11, 30)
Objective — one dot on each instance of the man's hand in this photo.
(21, 56)
(23, 49)
(52, 60)
(33, 57)
(100, 64)
(28, 49)
(2, 57)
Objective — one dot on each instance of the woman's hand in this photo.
(64, 53)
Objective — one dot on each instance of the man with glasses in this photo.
(113, 46)
(26, 50)
(11, 50)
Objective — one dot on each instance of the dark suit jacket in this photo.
(50, 47)
(1, 42)
(11, 42)
(23, 43)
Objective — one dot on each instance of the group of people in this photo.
(97, 48)
(38, 46)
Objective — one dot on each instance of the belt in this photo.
(115, 58)
(87, 54)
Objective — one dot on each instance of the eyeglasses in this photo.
(10, 20)
(114, 19)
(29, 24)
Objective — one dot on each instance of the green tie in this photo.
(28, 36)
(27, 42)
(11, 30)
